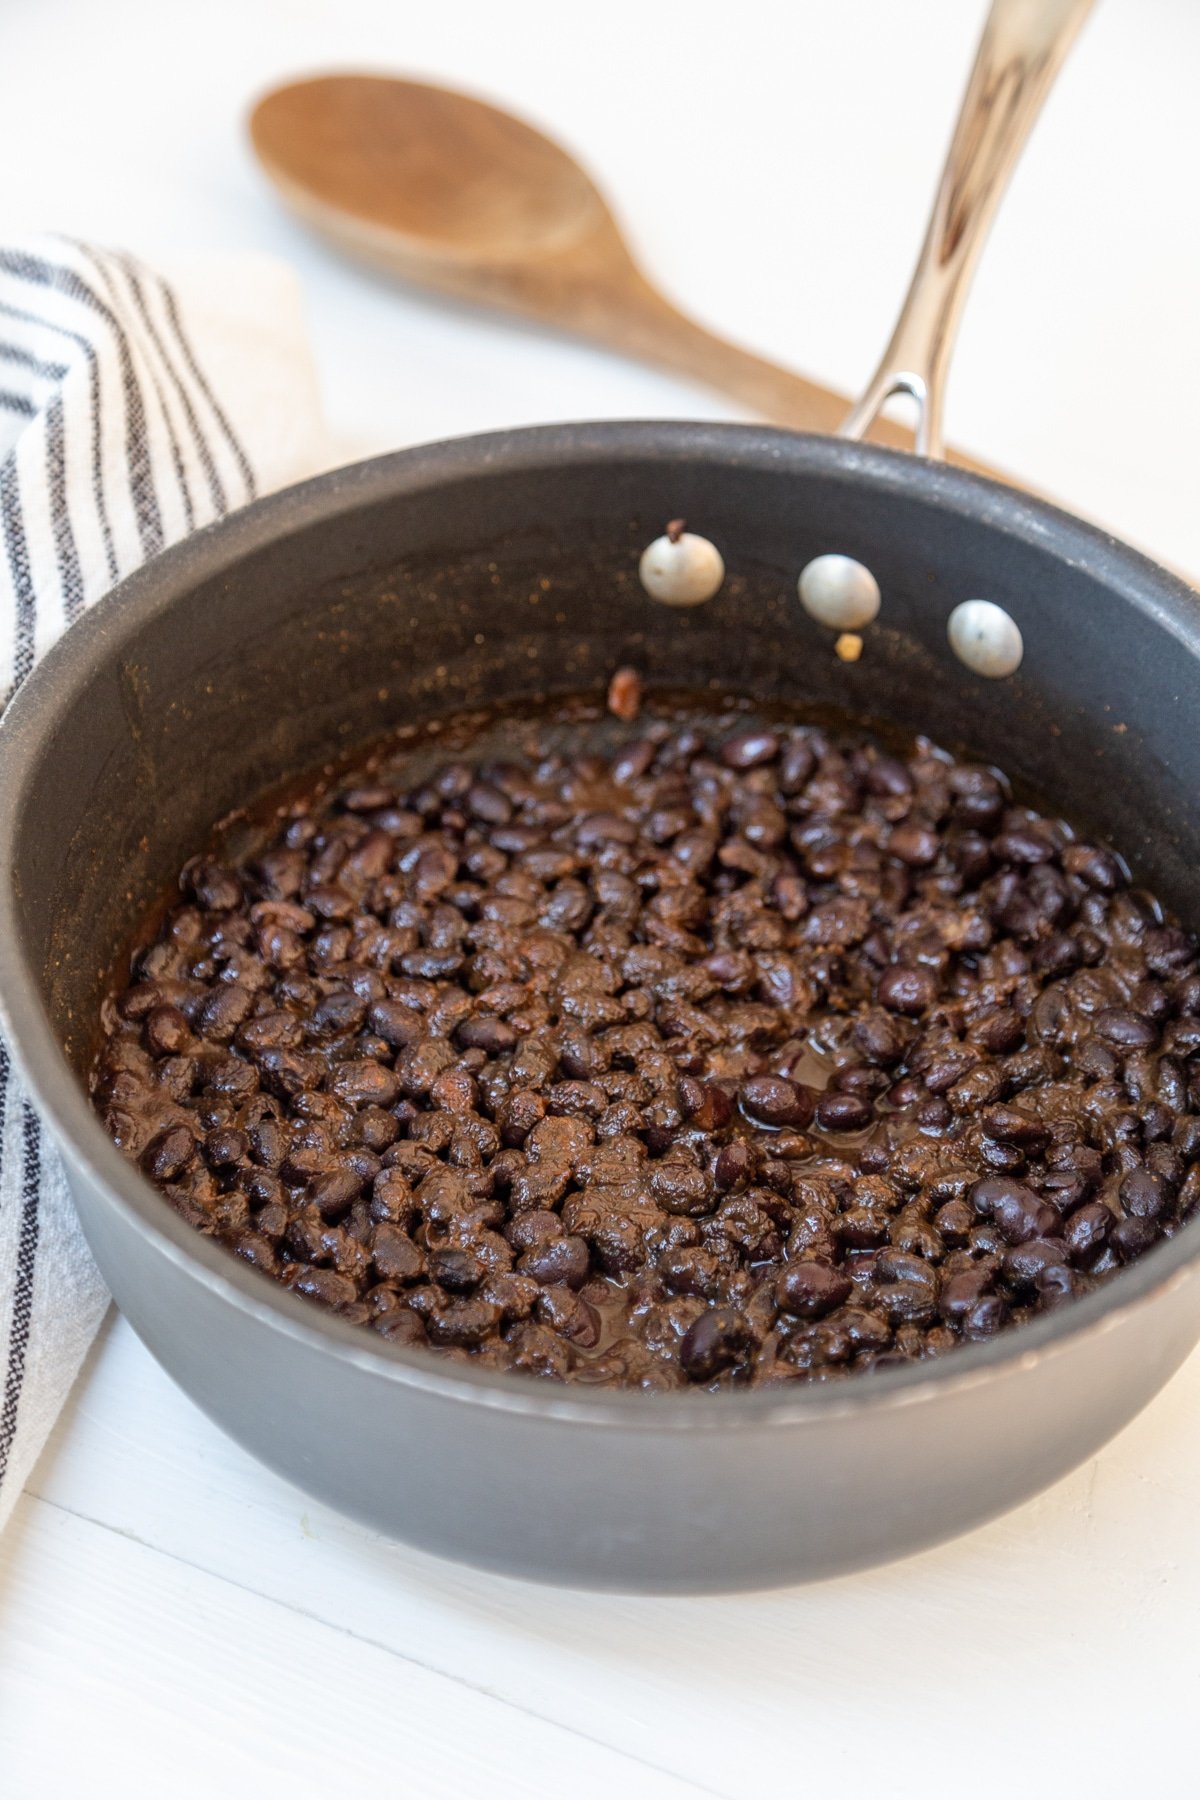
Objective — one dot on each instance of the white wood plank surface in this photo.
(188, 1684)
(992, 1637)
(174, 1620)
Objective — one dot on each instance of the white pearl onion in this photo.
(985, 638)
(839, 592)
(683, 571)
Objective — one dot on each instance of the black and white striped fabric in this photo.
(132, 411)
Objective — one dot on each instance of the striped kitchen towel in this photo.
(133, 409)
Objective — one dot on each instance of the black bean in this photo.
(216, 888)
(789, 896)
(395, 1255)
(464, 1322)
(570, 1314)
(681, 1188)
(1065, 1188)
(1017, 1210)
(365, 1083)
(528, 1229)
(954, 1221)
(1023, 1265)
(888, 778)
(325, 1285)
(168, 1154)
(563, 1259)
(878, 1038)
(905, 1092)
(1005, 1159)
(1096, 1060)
(907, 990)
(866, 1329)
(1086, 1232)
(749, 749)
(1056, 1283)
(225, 1147)
(962, 1290)
(1131, 1237)
(1168, 951)
(996, 1029)
(395, 1023)
(1152, 1000)
(458, 1271)
(688, 1270)
(1097, 868)
(376, 1129)
(1186, 1139)
(1023, 844)
(773, 1100)
(340, 1011)
(797, 765)
(717, 1340)
(489, 804)
(916, 845)
(843, 1112)
(223, 1012)
(859, 1078)
(707, 1106)
(1009, 1125)
(1127, 1030)
(906, 1303)
(257, 1250)
(861, 1227)
(630, 763)
(981, 811)
(1143, 1195)
(367, 797)
(984, 1319)
(811, 1289)
(166, 1031)
(934, 1116)
(735, 1164)
(334, 1191)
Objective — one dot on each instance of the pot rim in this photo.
(45, 700)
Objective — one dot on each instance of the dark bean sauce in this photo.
(665, 1051)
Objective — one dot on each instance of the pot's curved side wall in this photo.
(583, 1503)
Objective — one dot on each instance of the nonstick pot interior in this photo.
(499, 568)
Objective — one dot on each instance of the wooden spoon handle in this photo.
(670, 337)
(646, 325)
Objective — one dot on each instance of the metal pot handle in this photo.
(1022, 48)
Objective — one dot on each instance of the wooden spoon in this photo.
(452, 194)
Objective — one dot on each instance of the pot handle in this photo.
(1021, 50)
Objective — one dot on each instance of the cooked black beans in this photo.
(709, 1060)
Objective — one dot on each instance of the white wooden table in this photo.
(174, 1620)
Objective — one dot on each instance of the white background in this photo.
(174, 1620)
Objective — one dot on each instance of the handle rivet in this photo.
(680, 568)
(839, 592)
(984, 637)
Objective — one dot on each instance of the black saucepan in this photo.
(499, 567)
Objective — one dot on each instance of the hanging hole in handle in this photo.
(908, 404)
(906, 385)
